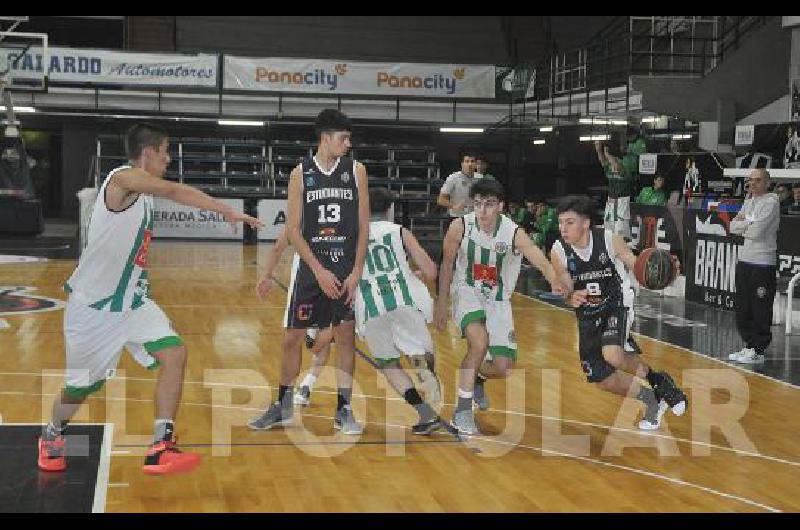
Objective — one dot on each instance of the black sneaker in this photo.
(429, 427)
(669, 392)
(274, 416)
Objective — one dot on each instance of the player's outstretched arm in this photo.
(136, 180)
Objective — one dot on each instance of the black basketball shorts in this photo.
(608, 328)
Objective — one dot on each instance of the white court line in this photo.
(720, 361)
(490, 440)
(101, 484)
(637, 432)
(635, 470)
(99, 504)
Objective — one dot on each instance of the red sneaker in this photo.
(163, 458)
(51, 455)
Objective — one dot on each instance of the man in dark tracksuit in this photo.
(757, 222)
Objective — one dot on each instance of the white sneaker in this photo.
(750, 356)
(302, 396)
(735, 356)
(431, 387)
(652, 419)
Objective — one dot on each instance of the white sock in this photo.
(463, 394)
(309, 381)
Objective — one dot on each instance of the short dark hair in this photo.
(487, 188)
(580, 204)
(331, 120)
(143, 135)
(466, 151)
(380, 200)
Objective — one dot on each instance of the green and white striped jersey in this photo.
(488, 262)
(387, 281)
(112, 271)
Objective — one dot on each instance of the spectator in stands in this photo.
(530, 220)
(653, 194)
(454, 194)
(794, 207)
(520, 215)
(784, 196)
(546, 227)
(757, 222)
(636, 146)
(617, 213)
(482, 167)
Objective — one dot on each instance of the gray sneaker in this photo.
(345, 421)
(652, 416)
(479, 396)
(274, 416)
(464, 422)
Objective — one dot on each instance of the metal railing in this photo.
(690, 46)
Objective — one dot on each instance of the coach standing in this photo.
(757, 222)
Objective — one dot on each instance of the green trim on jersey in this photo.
(503, 351)
(118, 297)
(501, 258)
(83, 391)
(469, 318)
(383, 363)
(370, 308)
(470, 261)
(163, 343)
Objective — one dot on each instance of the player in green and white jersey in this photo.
(487, 248)
(393, 307)
(109, 305)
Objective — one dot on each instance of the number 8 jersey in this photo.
(598, 270)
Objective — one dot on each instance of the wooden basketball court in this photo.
(552, 442)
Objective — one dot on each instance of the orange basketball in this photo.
(654, 268)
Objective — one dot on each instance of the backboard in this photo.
(24, 58)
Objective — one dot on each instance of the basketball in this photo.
(654, 268)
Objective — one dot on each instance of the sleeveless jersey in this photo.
(329, 221)
(112, 270)
(488, 263)
(603, 275)
(387, 281)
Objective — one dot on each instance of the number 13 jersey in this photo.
(330, 214)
